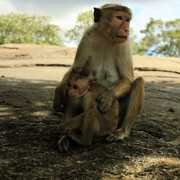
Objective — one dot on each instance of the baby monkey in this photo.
(82, 91)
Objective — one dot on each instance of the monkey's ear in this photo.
(93, 82)
(97, 14)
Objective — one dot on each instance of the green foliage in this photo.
(22, 28)
(162, 38)
(134, 44)
(84, 20)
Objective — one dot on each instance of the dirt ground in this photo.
(28, 134)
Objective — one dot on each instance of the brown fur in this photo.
(105, 46)
(90, 121)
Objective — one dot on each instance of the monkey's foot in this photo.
(63, 144)
(63, 128)
(117, 135)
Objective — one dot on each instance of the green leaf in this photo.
(28, 29)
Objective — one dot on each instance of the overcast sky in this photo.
(65, 12)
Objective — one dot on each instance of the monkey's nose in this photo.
(126, 30)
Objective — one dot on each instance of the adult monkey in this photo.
(106, 47)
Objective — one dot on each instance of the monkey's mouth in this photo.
(122, 37)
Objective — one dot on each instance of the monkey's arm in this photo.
(125, 69)
(119, 89)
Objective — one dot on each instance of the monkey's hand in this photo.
(105, 100)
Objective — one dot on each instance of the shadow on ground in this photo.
(28, 138)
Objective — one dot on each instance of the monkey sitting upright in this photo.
(83, 91)
(106, 48)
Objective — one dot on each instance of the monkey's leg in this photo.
(76, 137)
(90, 127)
(135, 100)
(63, 143)
(73, 123)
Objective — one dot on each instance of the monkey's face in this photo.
(118, 29)
(76, 88)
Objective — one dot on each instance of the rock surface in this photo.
(28, 134)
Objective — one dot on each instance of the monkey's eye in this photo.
(119, 17)
(75, 86)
